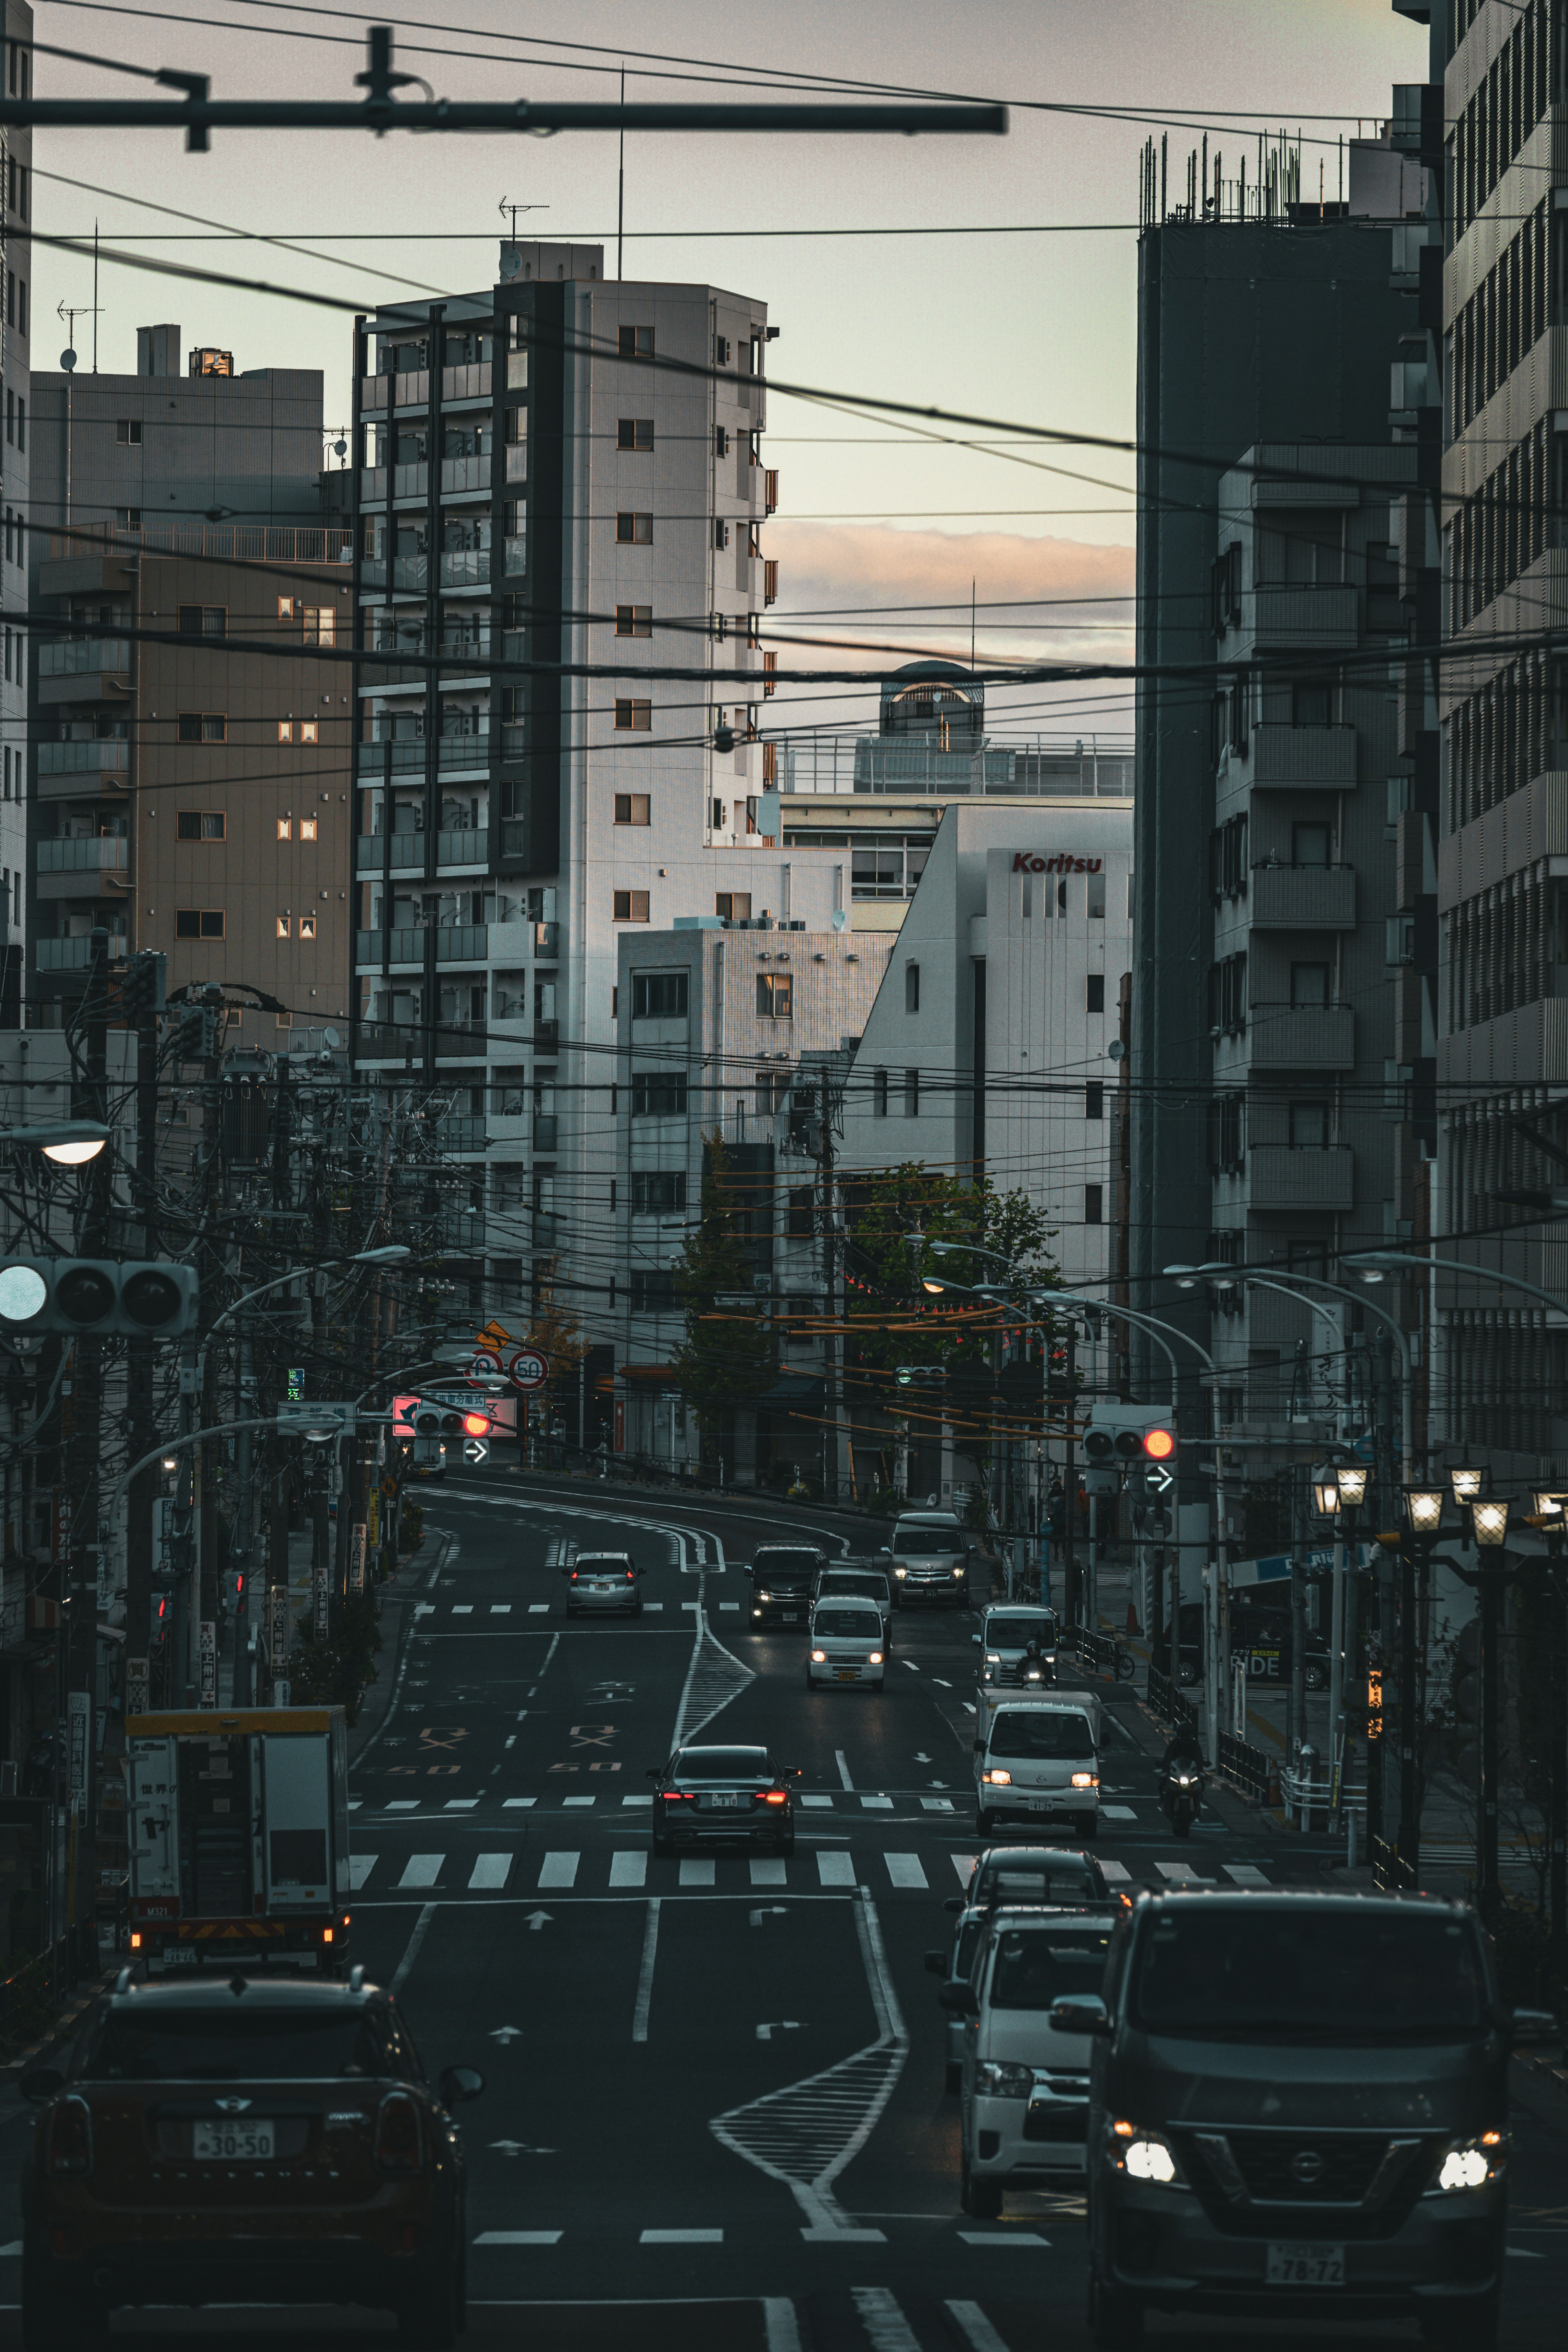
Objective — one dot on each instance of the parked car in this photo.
(846, 1644)
(1261, 1630)
(858, 1584)
(929, 1555)
(782, 1578)
(707, 1793)
(1299, 2106)
(603, 1582)
(1025, 2075)
(248, 2140)
(1038, 1757)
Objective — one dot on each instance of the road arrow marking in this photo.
(537, 1919)
(784, 2026)
(769, 1911)
(507, 2034)
(921, 1756)
(516, 2147)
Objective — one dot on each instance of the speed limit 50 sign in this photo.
(527, 1370)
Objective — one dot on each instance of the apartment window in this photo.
(911, 1094)
(912, 988)
(9, 652)
(10, 414)
(1310, 1124)
(634, 619)
(1310, 704)
(289, 608)
(21, 421)
(721, 534)
(203, 726)
(721, 440)
(128, 431)
(634, 530)
(1227, 995)
(654, 1293)
(204, 619)
(1095, 998)
(658, 1094)
(128, 518)
(633, 808)
(733, 905)
(198, 923)
(634, 433)
(1093, 1204)
(634, 714)
(1309, 844)
(202, 824)
(286, 731)
(20, 323)
(659, 996)
(1225, 1139)
(878, 1093)
(286, 828)
(10, 520)
(283, 927)
(8, 772)
(630, 906)
(775, 996)
(1095, 888)
(306, 927)
(799, 1214)
(308, 829)
(321, 624)
(1095, 1099)
(308, 731)
(1309, 986)
(654, 1188)
(636, 342)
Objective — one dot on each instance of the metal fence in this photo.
(1167, 1703)
(1247, 1766)
(1390, 1870)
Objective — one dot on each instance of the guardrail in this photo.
(1247, 1766)
(1167, 1703)
(1391, 1872)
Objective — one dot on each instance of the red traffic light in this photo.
(1159, 1444)
(477, 1425)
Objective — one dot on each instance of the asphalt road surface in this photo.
(714, 2114)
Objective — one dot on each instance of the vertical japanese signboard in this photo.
(357, 1541)
(138, 1685)
(207, 1662)
(79, 1718)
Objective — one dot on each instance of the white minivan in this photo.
(845, 1644)
(1038, 1761)
(1025, 2085)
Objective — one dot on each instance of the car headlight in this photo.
(818, 1657)
(1471, 2163)
(1143, 2154)
(1086, 1780)
(957, 1571)
(765, 1596)
(999, 2081)
(998, 1777)
(874, 1659)
(901, 1572)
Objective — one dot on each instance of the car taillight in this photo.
(397, 2134)
(70, 2138)
(773, 1796)
(680, 1796)
(630, 1576)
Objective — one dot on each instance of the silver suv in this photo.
(929, 1557)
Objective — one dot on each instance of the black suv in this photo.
(228, 2141)
(782, 1578)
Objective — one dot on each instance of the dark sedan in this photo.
(705, 1793)
(1033, 1874)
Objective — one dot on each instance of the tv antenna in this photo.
(514, 209)
(71, 312)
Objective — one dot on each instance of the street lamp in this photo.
(1553, 1523)
(1325, 1494)
(1351, 1486)
(1423, 1507)
(1490, 1521)
(1467, 1485)
(68, 1143)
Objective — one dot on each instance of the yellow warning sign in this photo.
(494, 1335)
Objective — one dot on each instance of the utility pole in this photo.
(146, 993)
(80, 1628)
(832, 1465)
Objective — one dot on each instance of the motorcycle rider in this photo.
(1182, 1753)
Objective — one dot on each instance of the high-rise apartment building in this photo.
(15, 460)
(559, 509)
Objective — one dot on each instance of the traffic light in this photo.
(196, 1039)
(919, 1376)
(1131, 1435)
(135, 1298)
(146, 984)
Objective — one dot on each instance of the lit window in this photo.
(321, 624)
(306, 927)
(283, 927)
(288, 608)
(308, 733)
(286, 828)
(286, 731)
(307, 828)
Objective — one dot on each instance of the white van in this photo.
(845, 1644)
(1038, 1761)
(1025, 2085)
(989, 1698)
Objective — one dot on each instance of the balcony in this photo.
(407, 853)
(1300, 1037)
(105, 754)
(411, 389)
(386, 1041)
(466, 753)
(1306, 615)
(411, 573)
(1301, 898)
(404, 754)
(461, 942)
(466, 645)
(1293, 1176)
(97, 853)
(459, 1041)
(373, 390)
(465, 473)
(469, 382)
(79, 656)
(75, 955)
(1298, 759)
(457, 1134)
(372, 486)
(412, 481)
(466, 567)
(469, 846)
(403, 946)
(546, 1033)
(372, 572)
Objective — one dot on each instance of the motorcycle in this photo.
(1181, 1796)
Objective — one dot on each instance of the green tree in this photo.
(728, 1356)
(884, 1269)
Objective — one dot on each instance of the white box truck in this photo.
(237, 1827)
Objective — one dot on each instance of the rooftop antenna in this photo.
(620, 178)
(972, 589)
(504, 207)
(71, 312)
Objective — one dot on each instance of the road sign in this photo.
(527, 1370)
(475, 1450)
(494, 1335)
(484, 1366)
(316, 1415)
(1157, 1480)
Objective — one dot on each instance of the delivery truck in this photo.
(237, 1829)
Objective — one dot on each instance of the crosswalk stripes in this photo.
(905, 1870)
(1180, 1874)
(1244, 1873)
(1116, 1872)
(629, 1868)
(559, 1870)
(359, 1868)
(696, 1870)
(836, 1869)
(421, 1870)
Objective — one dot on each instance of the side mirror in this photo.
(41, 2084)
(641, 1572)
(1528, 2027)
(975, 1639)
(980, 1746)
(654, 1772)
(1083, 2013)
(959, 2001)
(456, 2084)
(955, 1904)
(793, 1772)
(936, 1964)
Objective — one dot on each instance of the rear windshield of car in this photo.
(199, 2046)
(602, 1563)
(1061, 1883)
(848, 1624)
(1055, 1736)
(1278, 1974)
(926, 1539)
(844, 1580)
(785, 1563)
(1018, 1633)
(1036, 1966)
(723, 1764)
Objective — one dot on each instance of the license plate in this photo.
(180, 1955)
(847, 1675)
(793, 1616)
(729, 1802)
(237, 2142)
(1042, 1804)
(1305, 2265)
